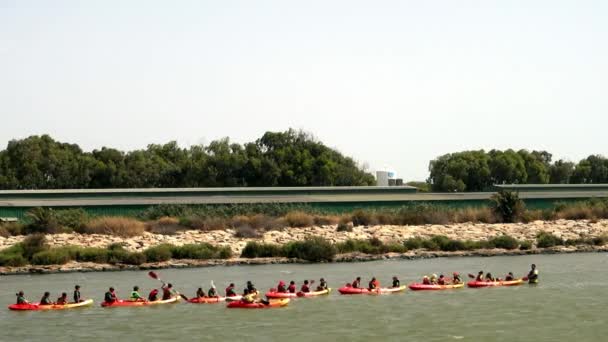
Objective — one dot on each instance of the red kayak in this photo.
(279, 295)
(208, 300)
(273, 304)
(349, 290)
(434, 287)
(475, 283)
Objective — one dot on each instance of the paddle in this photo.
(153, 275)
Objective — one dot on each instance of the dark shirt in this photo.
(396, 283)
(77, 296)
(45, 301)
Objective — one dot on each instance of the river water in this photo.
(569, 304)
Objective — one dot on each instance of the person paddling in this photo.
(396, 282)
(479, 276)
(489, 277)
(533, 275)
(456, 278)
(21, 298)
(281, 287)
(168, 291)
(46, 299)
(434, 279)
(509, 276)
(230, 292)
(200, 293)
(426, 280)
(357, 283)
(441, 280)
(212, 292)
(322, 285)
(292, 287)
(63, 300)
(153, 295)
(373, 284)
(77, 298)
(305, 287)
(135, 296)
(110, 296)
(250, 287)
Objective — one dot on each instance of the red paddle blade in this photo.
(471, 276)
(153, 275)
(524, 278)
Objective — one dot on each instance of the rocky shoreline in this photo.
(73, 267)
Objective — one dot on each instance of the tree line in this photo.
(479, 170)
(290, 158)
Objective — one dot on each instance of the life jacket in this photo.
(426, 281)
(441, 281)
(153, 295)
(356, 284)
(305, 288)
(21, 300)
(200, 293)
(479, 277)
(230, 291)
(62, 300)
(212, 292)
(291, 289)
(281, 289)
(45, 301)
(374, 284)
(110, 297)
(167, 293)
(248, 298)
(76, 296)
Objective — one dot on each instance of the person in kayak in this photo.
(250, 287)
(456, 278)
(110, 296)
(292, 287)
(373, 284)
(281, 287)
(396, 282)
(63, 300)
(357, 283)
(305, 287)
(212, 292)
(426, 280)
(135, 296)
(153, 295)
(168, 291)
(46, 299)
(489, 277)
(433, 279)
(533, 275)
(441, 280)
(322, 285)
(77, 298)
(21, 298)
(509, 276)
(200, 293)
(230, 292)
(479, 276)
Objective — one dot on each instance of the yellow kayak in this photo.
(121, 302)
(37, 306)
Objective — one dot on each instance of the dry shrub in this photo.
(577, 212)
(326, 220)
(214, 223)
(247, 232)
(259, 221)
(239, 221)
(110, 225)
(4, 232)
(474, 215)
(532, 215)
(362, 217)
(276, 224)
(299, 219)
(165, 226)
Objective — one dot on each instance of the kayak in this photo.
(273, 304)
(278, 295)
(121, 302)
(204, 300)
(314, 293)
(421, 287)
(37, 306)
(349, 290)
(475, 283)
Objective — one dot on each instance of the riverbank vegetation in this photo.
(290, 158)
(251, 221)
(480, 170)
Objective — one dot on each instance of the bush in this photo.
(74, 219)
(33, 244)
(165, 226)
(12, 228)
(200, 251)
(475, 215)
(12, 259)
(119, 226)
(214, 223)
(57, 256)
(507, 206)
(159, 253)
(525, 245)
(544, 240)
(314, 249)
(4, 232)
(246, 232)
(96, 255)
(326, 220)
(504, 242)
(413, 243)
(363, 218)
(42, 220)
(259, 221)
(261, 250)
(344, 227)
(135, 258)
(299, 219)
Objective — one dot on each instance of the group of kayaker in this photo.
(46, 298)
(374, 284)
(168, 293)
(532, 276)
(304, 288)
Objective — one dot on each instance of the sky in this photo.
(393, 84)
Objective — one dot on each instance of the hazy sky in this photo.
(391, 83)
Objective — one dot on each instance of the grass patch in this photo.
(118, 226)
